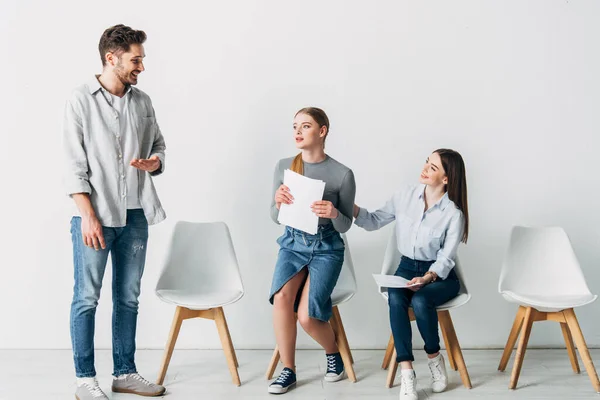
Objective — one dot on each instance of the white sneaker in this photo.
(408, 385)
(88, 389)
(439, 378)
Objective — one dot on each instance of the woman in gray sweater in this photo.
(308, 266)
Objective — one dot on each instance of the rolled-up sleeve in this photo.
(75, 178)
(158, 147)
(447, 253)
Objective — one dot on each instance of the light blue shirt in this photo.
(433, 235)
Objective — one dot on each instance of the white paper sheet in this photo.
(305, 191)
(391, 281)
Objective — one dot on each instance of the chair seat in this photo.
(199, 301)
(340, 296)
(460, 300)
(548, 303)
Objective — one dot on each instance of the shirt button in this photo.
(123, 195)
(120, 156)
(122, 176)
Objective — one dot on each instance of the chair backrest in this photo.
(347, 280)
(201, 256)
(392, 257)
(541, 261)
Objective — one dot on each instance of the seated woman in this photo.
(308, 266)
(431, 220)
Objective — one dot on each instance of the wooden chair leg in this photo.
(235, 360)
(388, 353)
(273, 363)
(512, 338)
(221, 323)
(342, 332)
(336, 323)
(448, 343)
(175, 327)
(570, 347)
(582, 347)
(525, 332)
(457, 355)
(392, 369)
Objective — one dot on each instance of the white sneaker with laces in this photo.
(88, 389)
(408, 385)
(439, 378)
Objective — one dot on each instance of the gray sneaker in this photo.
(135, 384)
(90, 391)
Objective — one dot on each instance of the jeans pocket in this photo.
(333, 243)
(285, 240)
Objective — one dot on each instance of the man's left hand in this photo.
(150, 164)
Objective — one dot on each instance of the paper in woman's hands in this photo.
(392, 281)
(305, 191)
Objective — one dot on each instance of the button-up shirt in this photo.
(95, 162)
(432, 235)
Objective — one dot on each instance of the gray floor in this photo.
(203, 374)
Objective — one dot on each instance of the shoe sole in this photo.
(281, 390)
(335, 378)
(129, 391)
(439, 391)
(77, 397)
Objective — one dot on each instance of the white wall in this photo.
(513, 85)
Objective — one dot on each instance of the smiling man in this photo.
(113, 147)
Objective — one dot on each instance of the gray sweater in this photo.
(340, 188)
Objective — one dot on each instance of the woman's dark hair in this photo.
(453, 164)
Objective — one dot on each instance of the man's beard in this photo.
(122, 75)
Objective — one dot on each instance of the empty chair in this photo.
(541, 274)
(455, 357)
(344, 290)
(201, 275)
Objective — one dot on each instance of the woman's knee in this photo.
(287, 295)
(421, 304)
(304, 319)
(284, 298)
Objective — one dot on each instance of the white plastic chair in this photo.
(345, 289)
(201, 275)
(541, 274)
(455, 357)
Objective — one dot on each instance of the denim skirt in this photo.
(323, 256)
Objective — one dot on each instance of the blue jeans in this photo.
(423, 302)
(127, 246)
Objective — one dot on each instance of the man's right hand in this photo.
(91, 231)
(282, 195)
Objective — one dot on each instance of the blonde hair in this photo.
(321, 118)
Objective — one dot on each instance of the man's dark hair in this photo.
(117, 39)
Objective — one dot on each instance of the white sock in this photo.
(87, 381)
(409, 372)
(436, 358)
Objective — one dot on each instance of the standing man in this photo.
(113, 147)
